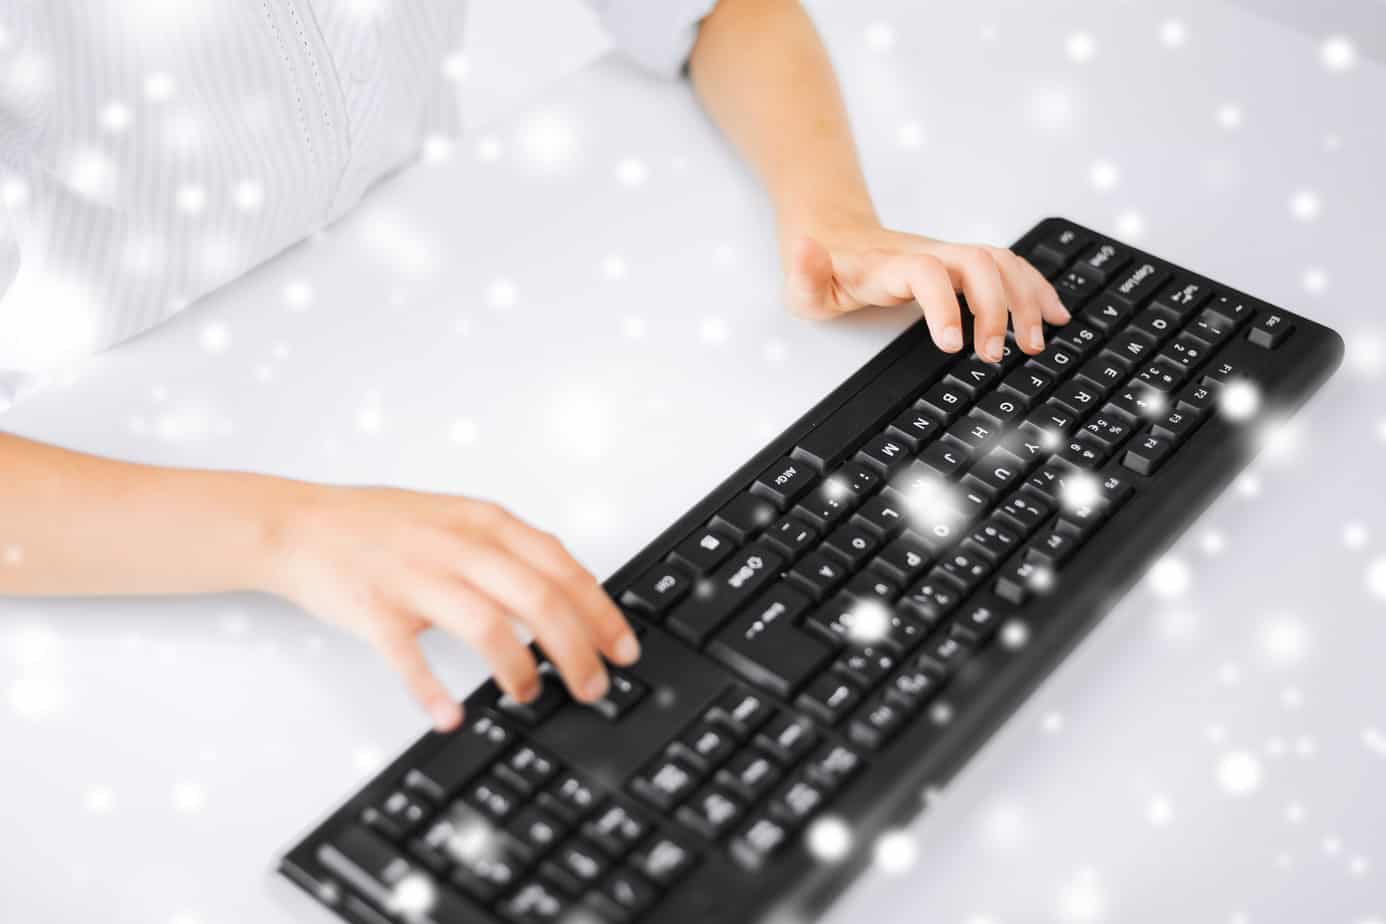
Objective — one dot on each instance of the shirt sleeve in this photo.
(657, 34)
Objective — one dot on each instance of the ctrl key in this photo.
(372, 866)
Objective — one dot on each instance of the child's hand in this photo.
(388, 564)
(864, 264)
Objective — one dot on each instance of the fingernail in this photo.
(1036, 338)
(595, 687)
(627, 649)
(950, 339)
(527, 693)
(995, 347)
(446, 715)
(1064, 316)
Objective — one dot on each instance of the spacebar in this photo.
(829, 442)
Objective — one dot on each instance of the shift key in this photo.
(731, 587)
(765, 646)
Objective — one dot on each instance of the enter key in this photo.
(765, 646)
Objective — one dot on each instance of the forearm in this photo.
(72, 523)
(764, 77)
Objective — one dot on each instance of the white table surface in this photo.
(576, 313)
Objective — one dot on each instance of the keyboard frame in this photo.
(996, 682)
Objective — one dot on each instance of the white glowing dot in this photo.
(1015, 634)
(1159, 811)
(829, 839)
(1292, 697)
(880, 36)
(488, 149)
(1239, 400)
(1355, 535)
(1284, 639)
(248, 195)
(547, 141)
(1081, 900)
(14, 192)
(1338, 54)
(1041, 580)
(1294, 813)
(713, 330)
(437, 148)
(1229, 675)
(1230, 116)
(1212, 543)
(1358, 866)
(1239, 773)
(367, 759)
(1248, 485)
(1050, 108)
(413, 895)
(1053, 722)
(1104, 175)
(90, 174)
(115, 116)
(776, 352)
(158, 87)
(191, 198)
(1169, 577)
(456, 66)
(614, 266)
(869, 623)
(298, 295)
(632, 172)
(99, 799)
(1080, 489)
(1080, 47)
(368, 416)
(1366, 353)
(501, 293)
(1314, 280)
(941, 713)
(633, 327)
(910, 135)
(189, 797)
(1305, 205)
(462, 431)
(1003, 826)
(1174, 33)
(1130, 224)
(1376, 578)
(215, 337)
(895, 852)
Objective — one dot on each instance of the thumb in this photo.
(809, 280)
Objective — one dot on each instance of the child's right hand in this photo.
(388, 564)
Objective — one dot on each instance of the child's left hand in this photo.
(857, 265)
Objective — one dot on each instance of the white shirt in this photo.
(152, 150)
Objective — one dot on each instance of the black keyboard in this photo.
(841, 623)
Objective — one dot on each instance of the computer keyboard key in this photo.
(758, 842)
(704, 550)
(705, 745)
(1052, 548)
(1233, 309)
(885, 452)
(1139, 402)
(1138, 284)
(711, 812)
(623, 692)
(1106, 314)
(1183, 297)
(1078, 337)
(903, 559)
(1161, 375)
(993, 540)
(396, 815)
(1075, 289)
(1028, 383)
(819, 574)
(463, 754)
(865, 666)
(784, 482)
(945, 459)
(797, 802)
(1085, 450)
(526, 769)
(749, 774)
(914, 427)
(1060, 247)
(615, 829)
(733, 585)
(534, 902)
(846, 621)
(1057, 360)
(1103, 373)
(741, 711)
(1021, 580)
(881, 516)
(787, 738)
(943, 656)
(1221, 373)
(1199, 399)
(1156, 323)
(1082, 520)
(853, 544)
(833, 766)
(1024, 511)
(625, 895)
(973, 374)
(1147, 454)
(664, 861)
(492, 797)
(1103, 261)
(967, 569)
(1130, 346)
(1109, 429)
(667, 782)
(946, 401)
(658, 589)
(932, 598)
(551, 695)
(569, 797)
(1186, 351)
(976, 623)
(828, 697)
(876, 723)
(1177, 425)
(765, 646)
(791, 537)
(535, 828)
(1001, 408)
(826, 505)
(576, 866)
(1052, 418)
(1270, 330)
(744, 515)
